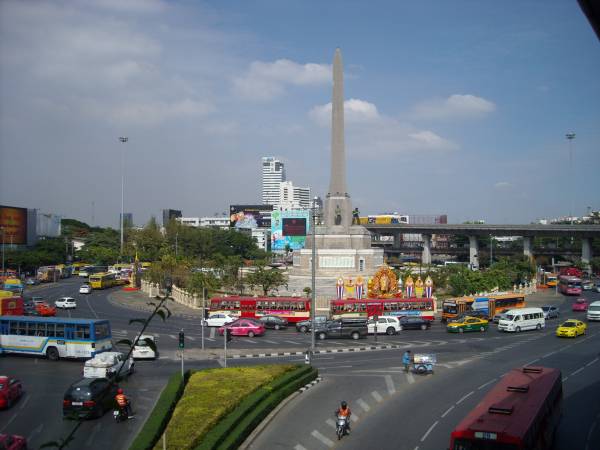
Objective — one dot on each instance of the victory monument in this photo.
(343, 246)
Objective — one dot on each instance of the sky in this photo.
(457, 108)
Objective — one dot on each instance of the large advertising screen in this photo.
(13, 222)
(250, 216)
(289, 228)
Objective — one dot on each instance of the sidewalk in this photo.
(138, 301)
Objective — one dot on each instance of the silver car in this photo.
(550, 312)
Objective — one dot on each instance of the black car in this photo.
(413, 323)
(89, 397)
(274, 322)
(304, 325)
(342, 328)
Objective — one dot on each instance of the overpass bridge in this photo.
(528, 232)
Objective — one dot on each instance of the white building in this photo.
(273, 173)
(293, 197)
(219, 222)
(262, 236)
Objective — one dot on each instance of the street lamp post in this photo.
(2, 230)
(313, 267)
(570, 137)
(123, 140)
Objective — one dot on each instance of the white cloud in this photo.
(265, 81)
(355, 110)
(456, 106)
(130, 6)
(150, 113)
(502, 185)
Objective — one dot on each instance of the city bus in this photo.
(54, 337)
(521, 412)
(569, 285)
(293, 309)
(103, 280)
(48, 274)
(368, 307)
(491, 305)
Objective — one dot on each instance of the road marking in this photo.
(429, 431)
(35, 432)
(577, 371)
(591, 362)
(331, 423)
(212, 332)
(191, 338)
(269, 342)
(299, 447)
(8, 423)
(323, 439)
(465, 397)
(330, 342)
(390, 384)
(172, 336)
(377, 396)
(447, 411)
(210, 339)
(565, 379)
(363, 405)
(252, 341)
(410, 378)
(485, 384)
(589, 436)
(293, 342)
(24, 402)
(548, 354)
(532, 362)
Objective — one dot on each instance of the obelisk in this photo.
(338, 207)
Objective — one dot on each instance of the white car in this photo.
(85, 289)
(385, 325)
(66, 303)
(218, 320)
(107, 364)
(143, 350)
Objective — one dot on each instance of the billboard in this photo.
(13, 222)
(250, 216)
(289, 228)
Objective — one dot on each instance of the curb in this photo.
(311, 384)
(317, 352)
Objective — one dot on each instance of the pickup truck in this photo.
(107, 364)
(342, 328)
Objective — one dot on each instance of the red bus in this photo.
(293, 309)
(520, 413)
(569, 285)
(422, 307)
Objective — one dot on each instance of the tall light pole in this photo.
(2, 230)
(570, 137)
(313, 267)
(123, 140)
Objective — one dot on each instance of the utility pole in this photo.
(570, 137)
(123, 140)
(202, 320)
(313, 267)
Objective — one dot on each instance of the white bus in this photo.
(54, 337)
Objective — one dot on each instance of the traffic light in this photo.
(228, 334)
(181, 339)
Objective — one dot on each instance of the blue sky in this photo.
(452, 107)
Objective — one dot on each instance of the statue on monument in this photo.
(355, 217)
(338, 215)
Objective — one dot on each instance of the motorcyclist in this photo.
(123, 402)
(344, 411)
(406, 360)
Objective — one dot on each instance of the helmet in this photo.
(119, 391)
(344, 404)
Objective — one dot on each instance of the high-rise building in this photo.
(127, 219)
(169, 214)
(293, 197)
(273, 173)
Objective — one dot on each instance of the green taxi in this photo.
(468, 324)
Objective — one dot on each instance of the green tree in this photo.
(307, 291)
(595, 264)
(266, 278)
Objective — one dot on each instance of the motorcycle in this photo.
(120, 414)
(340, 426)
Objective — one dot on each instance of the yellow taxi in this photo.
(571, 328)
(467, 324)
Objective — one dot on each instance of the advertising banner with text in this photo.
(289, 228)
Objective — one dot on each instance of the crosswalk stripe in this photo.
(377, 396)
(328, 442)
(364, 405)
(331, 423)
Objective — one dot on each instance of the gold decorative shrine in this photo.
(383, 284)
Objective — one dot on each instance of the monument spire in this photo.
(337, 182)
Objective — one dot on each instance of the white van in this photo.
(593, 312)
(522, 319)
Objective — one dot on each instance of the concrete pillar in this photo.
(397, 240)
(586, 250)
(528, 246)
(473, 252)
(426, 254)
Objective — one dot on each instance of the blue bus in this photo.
(54, 337)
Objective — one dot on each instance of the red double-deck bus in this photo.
(569, 285)
(293, 309)
(521, 412)
(399, 307)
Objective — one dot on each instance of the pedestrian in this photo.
(406, 359)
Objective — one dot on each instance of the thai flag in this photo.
(428, 291)
(409, 291)
(359, 291)
(340, 291)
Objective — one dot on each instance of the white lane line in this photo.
(591, 362)
(577, 371)
(486, 384)
(464, 397)
(212, 333)
(210, 339)
(8, 423)
(532, 362)
(95, 430)
(589, 436)
(377, 396)
(447, 411)
(548, 354)
(565, 379)
(35, 432)
(293, 342)
(190, 338)
(410, 378)
(172, 336)
(299, 447)
(331, 423)
(269, 342)
(416, 448)
(363, 405)
(252, 341)
(24, 402)
(429, 431)
(390, 384)
(323, 439)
